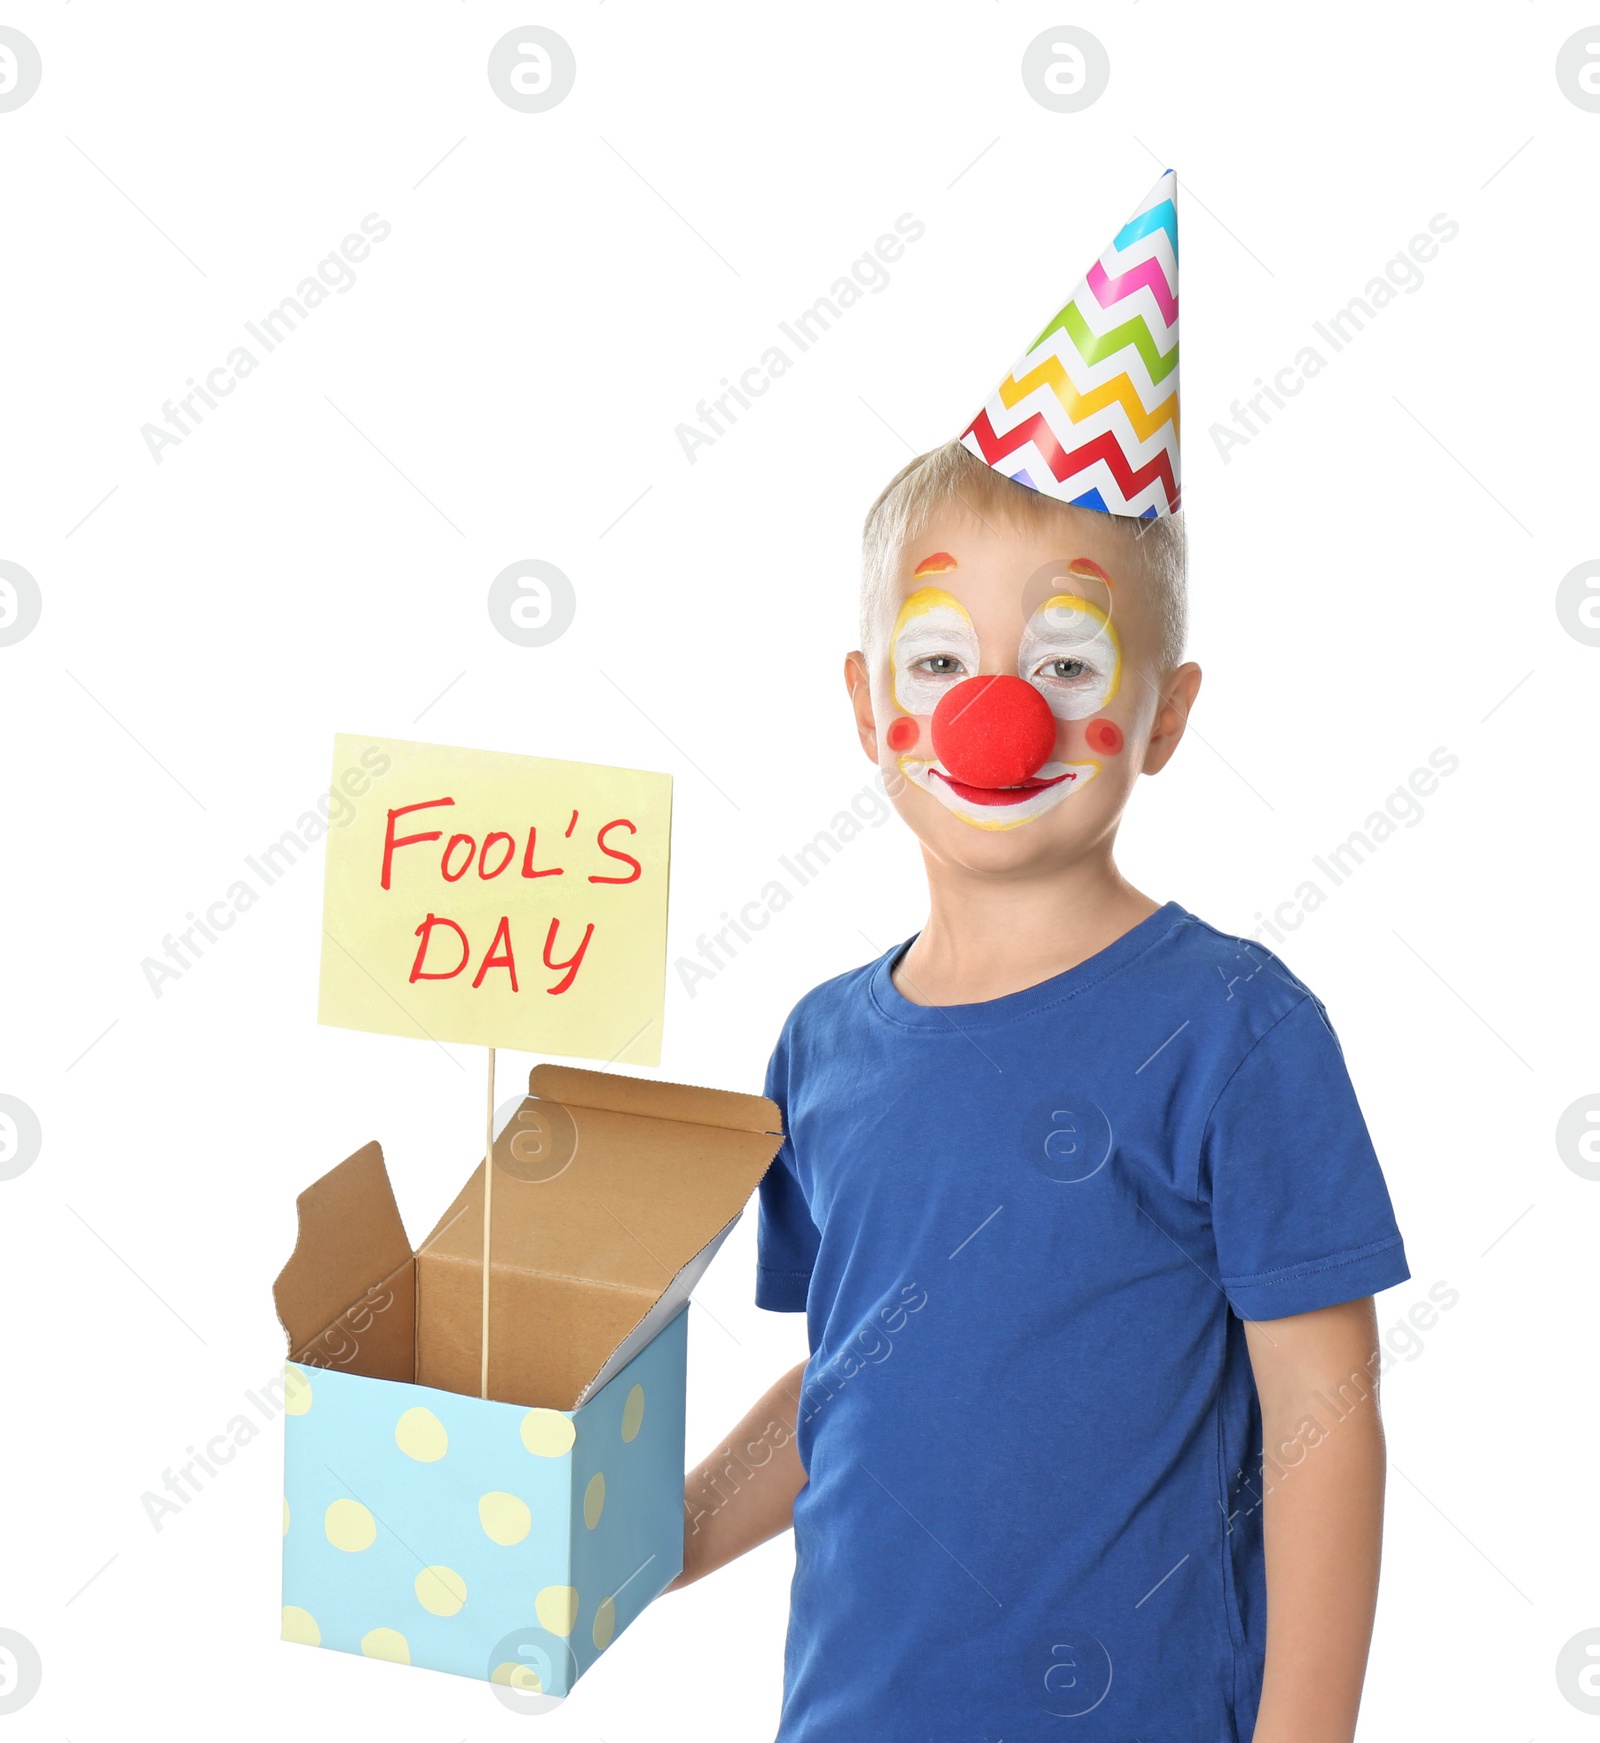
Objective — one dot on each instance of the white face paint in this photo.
(934, 647)
(1071, 656)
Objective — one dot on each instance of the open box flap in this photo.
(351, 1240)
(622, 1196)
(624, 1199)
(663, 1101)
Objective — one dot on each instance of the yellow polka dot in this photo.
(548, 1433)
(633, 1413)
(594, 1498)
(504, 1517)
(349, 1526)
(441, 1590)
(300, 1626)
(286, 1516)
(512, 1675)
(296, 1390)
(420, 1435)
(605, 1623)
(387, 1643)
(557, 1608)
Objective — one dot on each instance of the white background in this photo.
(1373, 576)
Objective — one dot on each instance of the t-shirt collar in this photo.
(892, 1004)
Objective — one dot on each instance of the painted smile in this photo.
(1000, 795)
(999, 807)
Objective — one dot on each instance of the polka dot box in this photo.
(511, 1538)
(427, 1528)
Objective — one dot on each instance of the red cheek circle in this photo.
(903, 733)
(1104, 736)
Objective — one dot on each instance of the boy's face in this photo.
(1003, 776)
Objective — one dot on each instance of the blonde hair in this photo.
(954, 475)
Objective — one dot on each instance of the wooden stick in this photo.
(488, 1193)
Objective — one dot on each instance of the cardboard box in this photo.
(510, 1538)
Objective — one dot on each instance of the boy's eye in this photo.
(1064, 669)
(937, 665)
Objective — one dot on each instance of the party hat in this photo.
(1089, 413)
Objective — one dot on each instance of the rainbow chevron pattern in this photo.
(1089, 413)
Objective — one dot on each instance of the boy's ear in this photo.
(859, 685)
(1172, 716)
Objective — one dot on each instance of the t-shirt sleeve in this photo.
(786, 1237)
(1299, 1208)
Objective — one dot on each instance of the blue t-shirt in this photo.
(1025, 1234)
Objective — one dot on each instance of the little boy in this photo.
(1076, 1195)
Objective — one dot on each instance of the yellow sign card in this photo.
(506, 901)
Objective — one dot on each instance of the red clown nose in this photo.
(993, 731)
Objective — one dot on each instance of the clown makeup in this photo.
(934, 648)
(1071, 656)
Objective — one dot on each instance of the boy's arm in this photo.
(1323, 1480)
(743, 1492)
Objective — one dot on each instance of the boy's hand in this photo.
(1316, 1374)
(743, 1493)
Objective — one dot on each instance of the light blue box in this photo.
(481, 1538)
(506, 1537)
